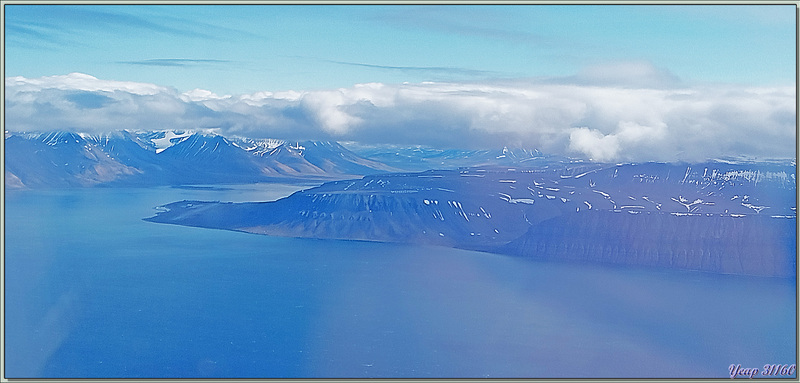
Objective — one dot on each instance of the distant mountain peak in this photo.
(171, 157)
(257, 147)
(59, 137)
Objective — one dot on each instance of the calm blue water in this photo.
(94, 291)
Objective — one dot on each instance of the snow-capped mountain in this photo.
(715, 216)
(310, 157)
(66, 159)
(61, 159)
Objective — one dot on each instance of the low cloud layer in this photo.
(606, 120)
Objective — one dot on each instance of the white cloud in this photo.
(80, 81)
(201, 95)
(636, 74)
(639, 139)
(327, 108)
(605, 122)
(596, 145)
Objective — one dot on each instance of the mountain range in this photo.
(128, 158)
(168, 157)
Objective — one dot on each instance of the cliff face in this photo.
(725, 221)
(761, 246)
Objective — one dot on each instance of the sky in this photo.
(604, 82)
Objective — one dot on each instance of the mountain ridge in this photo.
(170, 157)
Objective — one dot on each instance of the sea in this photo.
(93, 291)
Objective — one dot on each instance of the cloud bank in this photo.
(597, 117)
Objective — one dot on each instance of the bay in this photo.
(92, 291)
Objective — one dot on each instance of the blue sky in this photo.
(605, 82)
(242, 48)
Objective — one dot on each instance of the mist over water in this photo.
(94, 291)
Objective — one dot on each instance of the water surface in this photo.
(94, 291)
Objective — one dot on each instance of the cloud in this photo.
(598, 146)
(22, 35)
(88, 100)
(62, 27)
(607, 147)
(602, 122)
(201, 95)
(65, 20)
(448, 72)
(626, 74)
(460, 20)
(174, 62)
(78, 81)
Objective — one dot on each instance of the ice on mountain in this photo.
(757, 209)
(604, 194)
(165, 142)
